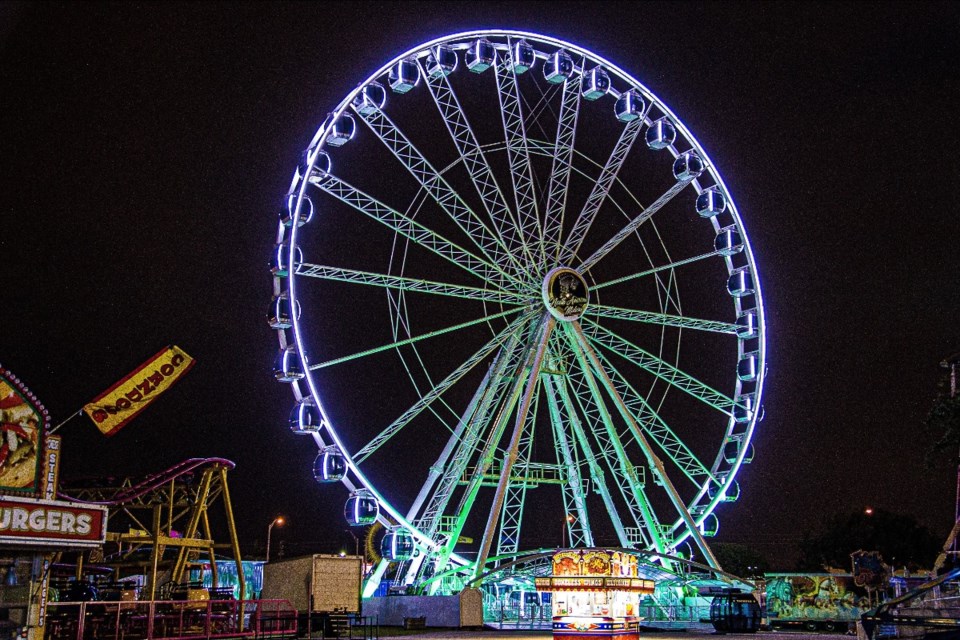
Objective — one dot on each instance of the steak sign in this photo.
(53, 523)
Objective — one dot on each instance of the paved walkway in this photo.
(493, 634)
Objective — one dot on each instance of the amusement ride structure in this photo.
(166, 510)
(477, 283)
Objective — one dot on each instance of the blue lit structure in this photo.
(305, 417)
(330, 465)
(227, 577)
(361, 508)
(397, 545)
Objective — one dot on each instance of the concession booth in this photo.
(34, 525)
(595, 592)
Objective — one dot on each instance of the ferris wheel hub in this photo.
(565, 294)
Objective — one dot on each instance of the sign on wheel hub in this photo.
(565, 294)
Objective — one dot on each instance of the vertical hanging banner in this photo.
(51, 467)
(117, 406)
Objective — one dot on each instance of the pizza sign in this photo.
(23, 421)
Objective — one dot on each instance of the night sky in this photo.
(145, 147)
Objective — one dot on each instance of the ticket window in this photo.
(624, 605)
(582, 603)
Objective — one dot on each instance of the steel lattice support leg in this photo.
(656, 465)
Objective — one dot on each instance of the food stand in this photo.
(34, 525)
(595, 592)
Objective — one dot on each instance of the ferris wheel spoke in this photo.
(576, 400)
(600, 190)
(518, 156)
(589, 360)
(425, 336)
(660, 368)
(475, 163)
(463, 438)
(487, 452)
(590, 398)
(447, 529)
(633, 225)
(407, 227)
(398, 304)
(597, 476)
(663, 319)
(574, 495)
(543, 104)
(513, 444)
(508, 333)
(672, 265)
(340, 274)
(506, 372)
(442, 193)
(562, 163)
(655, 428)
(511, 516)
(611, 455)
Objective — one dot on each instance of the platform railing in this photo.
(159, 619)
(510, 615)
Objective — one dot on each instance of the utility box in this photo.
(318, 583)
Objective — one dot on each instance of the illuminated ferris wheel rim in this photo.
(461, 42)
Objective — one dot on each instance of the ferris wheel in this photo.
(477, 293)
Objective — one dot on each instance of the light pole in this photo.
(568, 520)
(951, 364)
(356, 542)
(276, 521)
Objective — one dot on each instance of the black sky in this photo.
(144, 148)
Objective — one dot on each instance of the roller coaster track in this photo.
(146, 490)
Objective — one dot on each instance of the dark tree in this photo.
(900, 539)
(740, 559)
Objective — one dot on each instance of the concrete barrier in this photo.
(463, 610)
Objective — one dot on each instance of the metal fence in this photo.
(505, 614)
(154, 620)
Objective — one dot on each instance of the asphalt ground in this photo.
(494, 634)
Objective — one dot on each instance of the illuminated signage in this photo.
(584, 583)
(51, 523)
(51, 467)
(23, 421)
(577, 582)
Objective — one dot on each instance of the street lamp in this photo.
(356, 542)
(568, 520)
(276, 521)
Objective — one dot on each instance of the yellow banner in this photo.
(118, 405)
